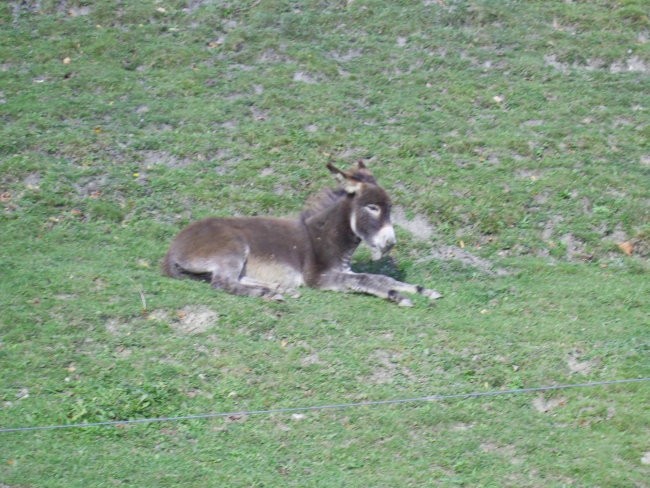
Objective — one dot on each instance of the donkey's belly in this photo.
(271, 273)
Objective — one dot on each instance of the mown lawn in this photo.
(514, 138)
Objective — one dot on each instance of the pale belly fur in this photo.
(271, 273)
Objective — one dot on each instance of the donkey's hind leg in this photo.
(227, 277)
(238, 288)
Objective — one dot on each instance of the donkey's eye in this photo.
(373, 209)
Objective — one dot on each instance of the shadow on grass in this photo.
(386, 266)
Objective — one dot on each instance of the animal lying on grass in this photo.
(266, 256)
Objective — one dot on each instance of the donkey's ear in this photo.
(361, 164)
(348, 182)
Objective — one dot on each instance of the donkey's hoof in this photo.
(293, 293)
(405, 302)
(431, 294)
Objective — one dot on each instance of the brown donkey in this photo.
(263, 256)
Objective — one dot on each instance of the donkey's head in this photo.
(371, 206)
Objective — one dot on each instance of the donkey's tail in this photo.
(170, 268)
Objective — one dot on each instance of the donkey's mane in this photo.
(320, 201)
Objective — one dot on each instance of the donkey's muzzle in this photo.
(383, 242)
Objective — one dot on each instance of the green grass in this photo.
(514, 132)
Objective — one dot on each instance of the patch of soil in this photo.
(543, 405)
(153, 158)
(633, 64)
(645, 459)
(194, 319)
(32, 180)
(388, 368)
(304, 77)
(19, 7)
(352, 153)
(533, 123)
(549, 227)
(226, 160)
(91, 186)
(35, 6)
(122, 352)
(343, 57)
(576, 365)
(193, 5)
(618, 235)
(418, 226)
(454, 253)
(575, 248)
(529, 174)
(541, 198)
(508, 452)
(311, 359)
(259, 114)
(79, 11)
(115, 327)
(422, 230)
(273, 56)
(229, 125)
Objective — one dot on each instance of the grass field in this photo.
(514, 138)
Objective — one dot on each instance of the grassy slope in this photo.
(508, 126)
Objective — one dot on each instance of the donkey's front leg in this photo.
(378, 285)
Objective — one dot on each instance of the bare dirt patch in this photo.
(32, 181)
(455, 253)
(422, 230)
(542, 405)
(274, 57)
(345, 56)
(91, 186)
(153, 158)
(310, 359)
(35, 6)
(508, 452)
(304, 77)
(529, 174)
(193, 5)
(579, 366)
(116, 327)
(550, 226)
(575, 248)
(259, 114)
(388, 368)
(194, 319)
(645, 459)
(462, 426)
(633, 64)
(419, 227)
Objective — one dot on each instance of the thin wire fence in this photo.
(335, 406)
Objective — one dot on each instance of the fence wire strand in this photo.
(335, 406)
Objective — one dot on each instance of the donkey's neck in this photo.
(331, 234)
